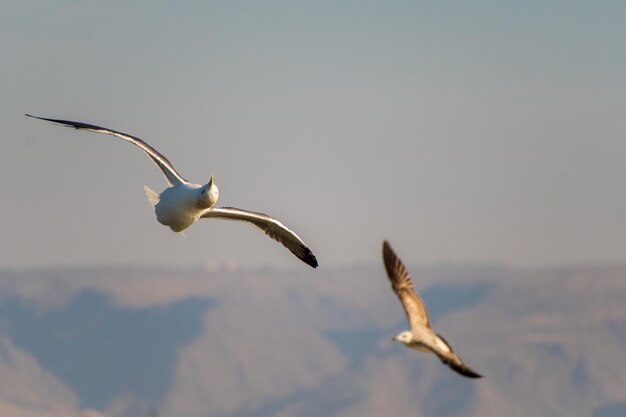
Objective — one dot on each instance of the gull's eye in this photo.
(203, 191)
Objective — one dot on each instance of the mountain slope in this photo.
(277, 343)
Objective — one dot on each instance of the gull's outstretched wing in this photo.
(272, 227)
(403, 287)
(447, 356)
(173, 177)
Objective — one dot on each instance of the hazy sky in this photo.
(490, 132)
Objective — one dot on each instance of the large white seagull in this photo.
(183, 203)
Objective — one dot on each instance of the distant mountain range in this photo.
(132, 342)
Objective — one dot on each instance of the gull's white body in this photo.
(180, 206)
(420, 340)
(183, 203)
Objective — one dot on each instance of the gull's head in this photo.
(405, 337)
(208, 194)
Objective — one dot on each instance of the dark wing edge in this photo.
(454, 362)
(172, 176)
(462, 369)
(401, 283)
(272, 228)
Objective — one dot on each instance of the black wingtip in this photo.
(68, 123)
(388, 251)
(390, 259)
(455, 363)
(309, 258)
(61, 122)
(386, 248)
(471, 374)
(465, 371)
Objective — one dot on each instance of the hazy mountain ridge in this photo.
(308, 344)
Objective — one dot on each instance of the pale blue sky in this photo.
(485, 132)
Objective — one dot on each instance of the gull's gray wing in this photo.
(173, 177)
(403, 287)
(272, 227)
(444, 351)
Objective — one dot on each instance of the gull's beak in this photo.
(394, 339)
(211, 181)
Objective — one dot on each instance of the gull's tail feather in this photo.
(153, 197)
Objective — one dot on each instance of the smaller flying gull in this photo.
(183, 203)
(421, 336)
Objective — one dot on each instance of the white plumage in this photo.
(183, 203)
